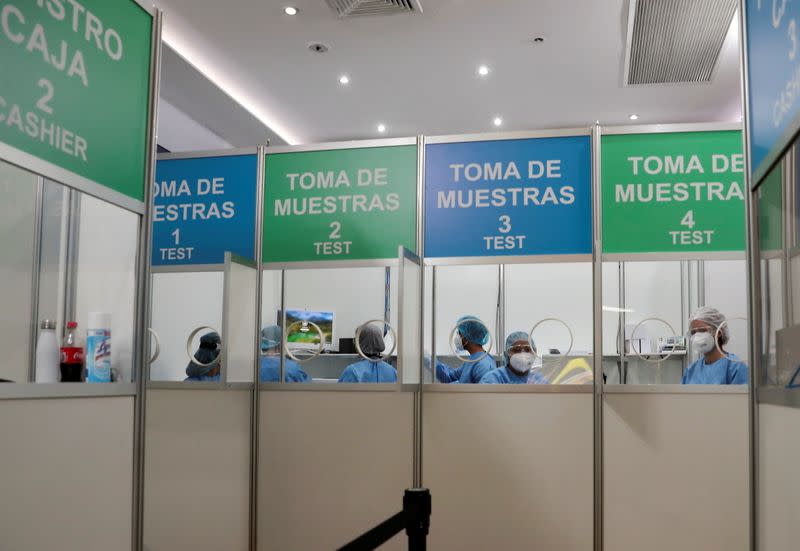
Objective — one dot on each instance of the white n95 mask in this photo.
(522, 362)
(703, 342)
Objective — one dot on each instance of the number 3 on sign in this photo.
(505, 224)
(688, 220)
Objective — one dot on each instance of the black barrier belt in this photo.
(415, 518)
(379, 535)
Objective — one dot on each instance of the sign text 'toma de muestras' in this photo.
(508, 197)
(75, 86)
(673, 192)
(342, 204)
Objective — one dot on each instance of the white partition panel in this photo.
(197, 470)
(67, 474)
(676, 472)
(509, 471)
(238, 324)
(726, 290)
(181, 303)
(779, 483)
(331, 466)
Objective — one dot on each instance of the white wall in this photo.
(67, 474)
(509, 471)
(676, 471)
(197, 470)
(779, 483)
(106, 274)
(181, 302)
(17, 205)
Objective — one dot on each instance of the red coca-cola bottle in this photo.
(71, 356)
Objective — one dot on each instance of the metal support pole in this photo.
(255, 406)
(597, 344)
(141, 349)
(36, 273)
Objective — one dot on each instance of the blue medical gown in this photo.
(369, 371)
(726, 371)
(469, 372)
(202, 378)
(506, 376)
(270, 370)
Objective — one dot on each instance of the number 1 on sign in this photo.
(177, 235)
(688, 220)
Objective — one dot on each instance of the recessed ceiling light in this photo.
(483, 70)
(290, 10)
(381, 128)
(538, 39)
(633, 116)
(498, 121)
(344, 79)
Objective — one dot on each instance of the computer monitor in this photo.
(301, 335)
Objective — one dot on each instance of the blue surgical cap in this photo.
(207, 352)
(473, 330)
(511, 339)
(270, 337)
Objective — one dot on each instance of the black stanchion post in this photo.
(417, 511)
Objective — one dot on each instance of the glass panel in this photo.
(563, 294)
(337, 302)
(17, 219)
(106, 284)
(726, 290)
(463, 292)
(773, 294)
(643, 324)
(181, 303)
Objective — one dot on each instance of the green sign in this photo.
(344, 204)
(673, 192)
(75, 86)
(770, 211)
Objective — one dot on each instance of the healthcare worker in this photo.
(472, 336)
(270, 368)
(714, 366)
(207, 353)
(374, 369)
(519, 359)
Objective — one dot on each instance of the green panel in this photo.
(75, 86)
(673, 192)
(770, 211)
(345, 204)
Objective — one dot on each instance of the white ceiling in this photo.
(417, 73)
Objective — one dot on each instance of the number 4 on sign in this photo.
(688, 220)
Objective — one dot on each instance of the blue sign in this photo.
(773, 66)
(203, 207)
(508, 197)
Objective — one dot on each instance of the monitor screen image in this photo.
(300, 333)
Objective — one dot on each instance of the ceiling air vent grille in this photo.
(672, 41)
(353, 8)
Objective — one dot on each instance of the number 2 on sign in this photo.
(505, 222)
(44, 102)
(336, 232)
(177, 235)
(688, 219)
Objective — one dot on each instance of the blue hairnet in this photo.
(207, 352)
(270, 337)
(510, 340)
(473, 330)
